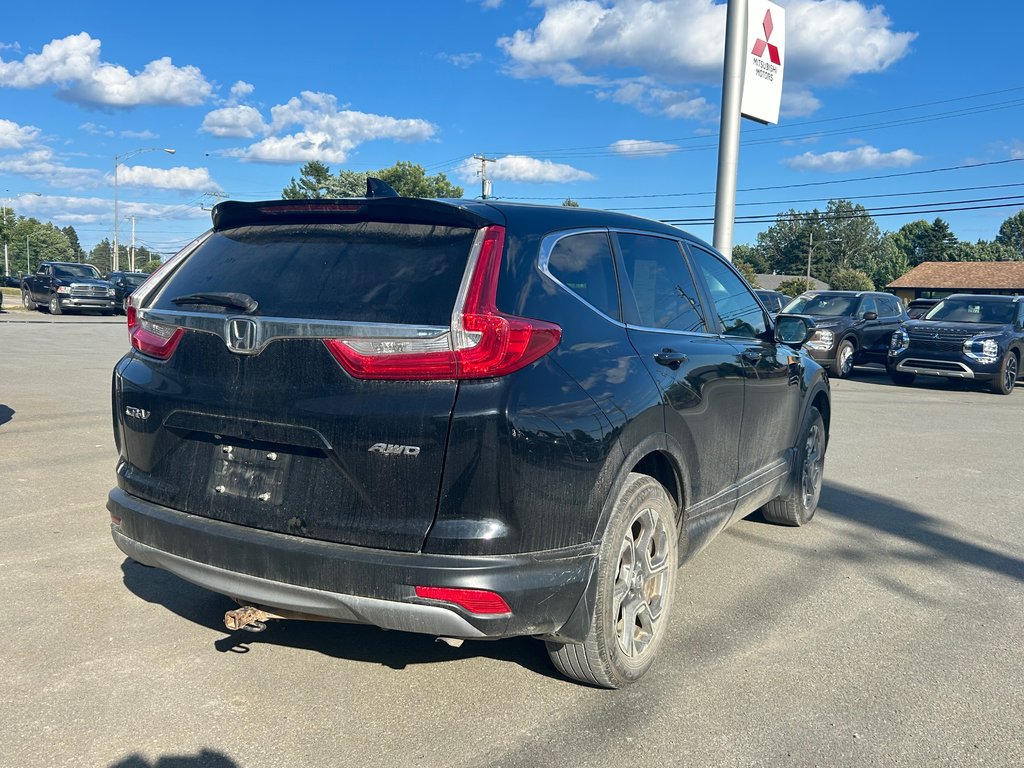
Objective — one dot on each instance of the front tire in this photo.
(55, 308)
(843, 363)
(798, 506)
(636, 576)
(26, 300)
(1006, 379)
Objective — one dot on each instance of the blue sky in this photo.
(611, 102)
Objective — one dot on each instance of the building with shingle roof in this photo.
(935, 279)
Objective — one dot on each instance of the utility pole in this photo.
(485, 183)
(28, 258)
(131, 253)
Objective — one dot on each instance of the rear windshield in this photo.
(361, 272)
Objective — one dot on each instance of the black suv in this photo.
(463, 418)
(125, 283)
(964, 336)
(854, 327)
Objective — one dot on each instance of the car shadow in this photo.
(6, 414)
(876, 374)
(889, 516)
(206, 758)
(355, 642)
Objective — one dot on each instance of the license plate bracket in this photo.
(256, 474)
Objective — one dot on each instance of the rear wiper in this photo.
(242, 301)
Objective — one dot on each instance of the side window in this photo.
(887, 307)
(737, 309)
(665, 293)
(867, 304)
(583, 263)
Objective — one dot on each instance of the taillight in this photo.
(482, 342)
(154, 339)
(479, 601)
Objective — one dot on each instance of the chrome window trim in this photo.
(543, 264)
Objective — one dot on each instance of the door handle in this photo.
(669, 357)
(751, 355)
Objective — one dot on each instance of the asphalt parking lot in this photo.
(885, 633)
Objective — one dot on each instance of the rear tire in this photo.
(636, 576)
(798, 507)
(55, 308)
(1006, 379)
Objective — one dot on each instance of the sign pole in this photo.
(729, 131)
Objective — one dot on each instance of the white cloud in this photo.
(234, 122)
(681, 42)
(461, 60)
(799, 102)
(41, 163)
(653, 99)
(642, 148)
(325, 132)
(239, 91)
(139, 134)
(14, 136)
(854, 159)
(1016, 150)
(524, 169)
(180, 178)
(77, 211)
(73, 64)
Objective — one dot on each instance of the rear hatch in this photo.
(239, 402)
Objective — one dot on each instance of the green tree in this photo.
(1011, 234)
(314, 182)
(849, 279)
(570, 203)
(32, 241)
(100, 255)
(794, 286)
(408, 179)
(785, 244)
(746, 270)
(78, 253)
(411, 180)
(891, 263)
(852, 237)
(750, 255)
(923, 241)
(151, 265)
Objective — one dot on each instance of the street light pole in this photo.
(810, 250)
(114, 259)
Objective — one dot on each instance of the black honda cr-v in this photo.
(463, 418)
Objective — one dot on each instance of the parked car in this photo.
(918, 307)
(471, 419)
(124, 283)
(10, 281)
(964, 336)
(853, 327)
(773, 300)
(65, 286)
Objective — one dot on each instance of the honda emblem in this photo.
(242, 335)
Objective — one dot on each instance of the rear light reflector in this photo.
(114, 519)
(478, 601)
(482, 342)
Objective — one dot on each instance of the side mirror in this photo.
(793, 330)
(870, 315)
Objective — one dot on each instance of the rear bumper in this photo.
(288, 574)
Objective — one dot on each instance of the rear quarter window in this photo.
(361, 272)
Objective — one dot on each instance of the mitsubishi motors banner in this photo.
(765, 58)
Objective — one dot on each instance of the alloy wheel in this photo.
(641, 582)
(813, 459)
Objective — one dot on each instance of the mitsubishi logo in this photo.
(242, 335)
(760, 45)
